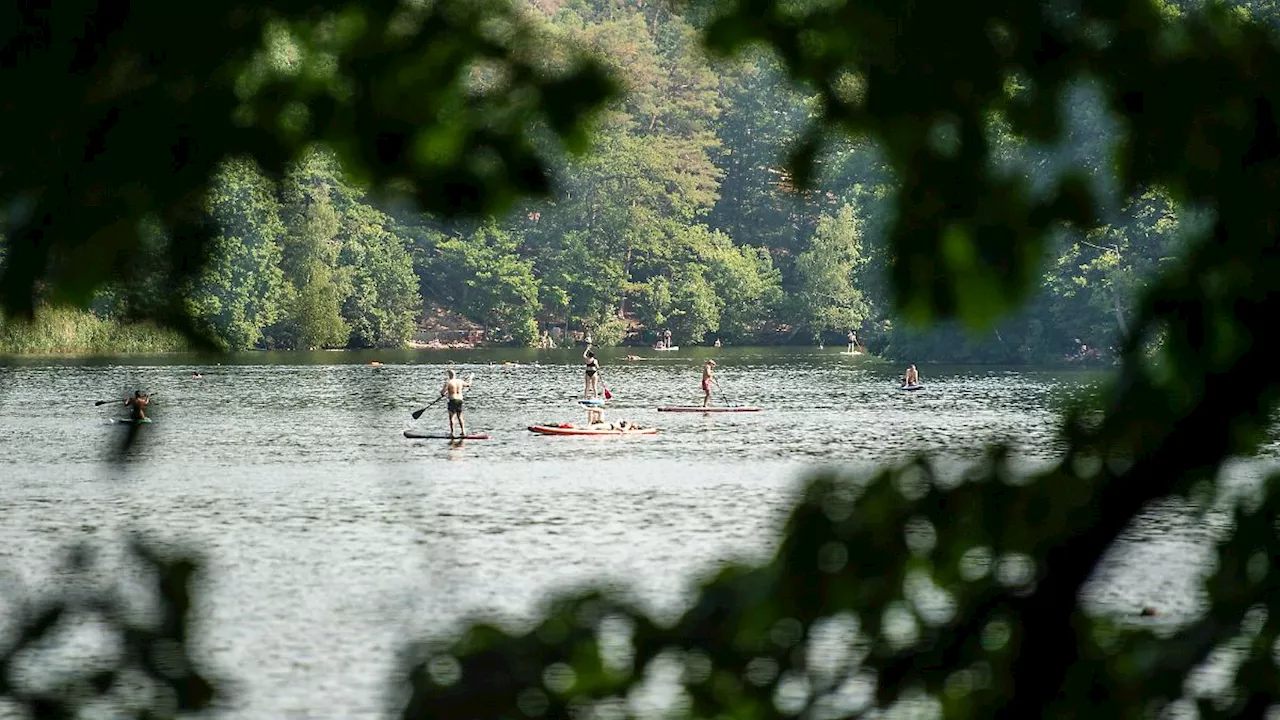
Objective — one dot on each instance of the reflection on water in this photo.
(331, 537)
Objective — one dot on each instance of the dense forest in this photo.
(680, 217)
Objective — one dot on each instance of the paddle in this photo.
(104, 402)
(607, 395)
(418, 413)
(722, 392)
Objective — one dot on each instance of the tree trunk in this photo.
(1120, 321)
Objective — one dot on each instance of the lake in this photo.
(330, 538)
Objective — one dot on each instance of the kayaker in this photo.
(593, 369)
(707, 378)
(853, 342)
(453, 388)
(911, 377)
(138, 404)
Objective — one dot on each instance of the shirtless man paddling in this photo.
(452, 389)
(138, 404)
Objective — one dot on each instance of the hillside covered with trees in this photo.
(681, 216)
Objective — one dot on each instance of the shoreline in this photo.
(417, 353)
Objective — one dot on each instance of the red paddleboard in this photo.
(574, 430)
(699, 408)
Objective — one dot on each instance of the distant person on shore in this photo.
(910, 378)
(708, 377)
(592, 371)
(138, 405)
(853, 342)
(453, 389)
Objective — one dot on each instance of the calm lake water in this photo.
(331, 539)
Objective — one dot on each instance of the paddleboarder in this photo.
(593, 369)
(453, 389)
(708, 377)
(910, 378)
(853, 342)
(666, 339)
(138, 405)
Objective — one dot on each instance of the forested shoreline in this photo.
(681, 217)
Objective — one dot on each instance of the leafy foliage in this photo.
(387, 86)
(961, 596)
(147, 670)
(488, 280)
(952, 586)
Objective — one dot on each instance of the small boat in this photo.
(571, 429)
(420, 435)
(711, 409)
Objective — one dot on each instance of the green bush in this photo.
(66, 331)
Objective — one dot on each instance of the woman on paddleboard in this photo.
(593, 369)
(707, 378)
(911, 378)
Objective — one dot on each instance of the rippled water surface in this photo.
(331, 538)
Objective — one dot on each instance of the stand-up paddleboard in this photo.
(846, 352)
(593, 402)
(714, 408)
(673, 348)
(420, 435)
(911, 387)
(570, 429)
(129, 421)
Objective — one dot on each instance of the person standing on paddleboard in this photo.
(593, 369)
(453, 388)
(138, 404)
(853, 342)
(911, 378)
(707, 378)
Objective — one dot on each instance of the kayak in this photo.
(419, 435)
(570, 429)
(711, 409)
(912, 387)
